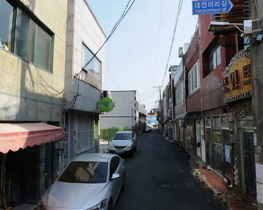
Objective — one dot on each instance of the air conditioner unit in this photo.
(106, 93)
(180, 52)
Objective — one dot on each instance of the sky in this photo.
(140, 51)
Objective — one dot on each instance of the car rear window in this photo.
(85, 172)
(122, 136)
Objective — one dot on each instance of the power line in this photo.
(158, 38)
(153, 94)
(126, 10)
(175, 27)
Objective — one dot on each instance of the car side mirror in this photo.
(115, 176)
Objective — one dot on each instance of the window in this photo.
(23, 36)
(215, 58)
(114, 165)
(122, 136)
(6, 17)
(85, 172)
(179, 92)
(92, 65)
(194, 77)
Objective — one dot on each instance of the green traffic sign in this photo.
(106, 104)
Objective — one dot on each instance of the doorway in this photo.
(198, 138)
(249, 162)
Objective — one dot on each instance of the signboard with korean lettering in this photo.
(236, 80)
(211, 7)
(217, 142)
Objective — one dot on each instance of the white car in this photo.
(123, 142)
(147, 129)
(92, 181)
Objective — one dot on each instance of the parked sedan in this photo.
(123, 142)
(92, 181)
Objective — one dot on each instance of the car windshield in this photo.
(85, 172)
(122, 136)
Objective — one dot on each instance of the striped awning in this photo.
(15, 136)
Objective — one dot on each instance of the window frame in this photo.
(37, 24)
(93, 61)
(179, 92)
(194, 78)
(215, 58)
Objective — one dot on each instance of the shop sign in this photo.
(106, 104)
(236, 80)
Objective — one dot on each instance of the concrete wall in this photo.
(29, 93)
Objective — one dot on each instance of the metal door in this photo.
(249, 163)
(198, 138)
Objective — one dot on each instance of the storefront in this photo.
(30, 158)
(218, 145)
(237, 89)
(189, 132)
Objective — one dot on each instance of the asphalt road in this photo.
(159, 177)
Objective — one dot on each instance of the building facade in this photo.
(84, 70)
(125, 112)
(180, 103)
(214, 122)
(32, 52)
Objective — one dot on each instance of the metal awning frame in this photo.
(190, 114)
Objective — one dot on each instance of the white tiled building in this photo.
(84, 79)
(32, 71)
(126, 110)
(48, 94)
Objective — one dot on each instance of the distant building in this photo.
(151, 119)
(142, 113)
(126, 110)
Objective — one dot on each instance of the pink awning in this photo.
(15, 136)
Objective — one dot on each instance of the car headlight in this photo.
(111, 147)
(129, 146)
(99, 206)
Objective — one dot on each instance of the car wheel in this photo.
(110, 205)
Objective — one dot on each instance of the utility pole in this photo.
(160, 98)
(160, 106)
(159, 88)
(256, 51)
